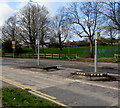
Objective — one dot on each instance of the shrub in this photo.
(7, 47)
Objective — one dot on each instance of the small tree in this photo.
(9, 29)
(111, 32)
(60, 28)
(7, 47)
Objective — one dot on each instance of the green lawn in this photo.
(82, 52)
(27, 50)
(13, 97)
(103, 51)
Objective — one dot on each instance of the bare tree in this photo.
(86, 19)
(34, 18)
(9, 29)
(60, 27)
(44, 26)
(110, 31)
(53, 40)
(112, 12)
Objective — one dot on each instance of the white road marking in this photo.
(97, 85)
(115, 104)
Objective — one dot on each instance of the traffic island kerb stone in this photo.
(93, 76)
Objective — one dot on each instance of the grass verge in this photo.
(63, 57)
(15, 97)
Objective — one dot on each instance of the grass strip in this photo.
(16, 97)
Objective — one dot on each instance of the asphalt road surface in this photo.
(85, 66)
(67, 91)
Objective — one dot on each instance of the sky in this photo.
(10, 7)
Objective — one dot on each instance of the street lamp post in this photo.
(38, 42)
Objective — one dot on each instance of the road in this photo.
(85, 66)
(67, 91)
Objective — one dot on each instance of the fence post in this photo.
(52, 55)
(59, 55)
(44, 55)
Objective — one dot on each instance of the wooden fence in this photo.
(44, 55)
(59, 56)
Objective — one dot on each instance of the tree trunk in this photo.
(42, 47)
(111, 38)
(34, 49)
(60, 42)
(111, 42)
